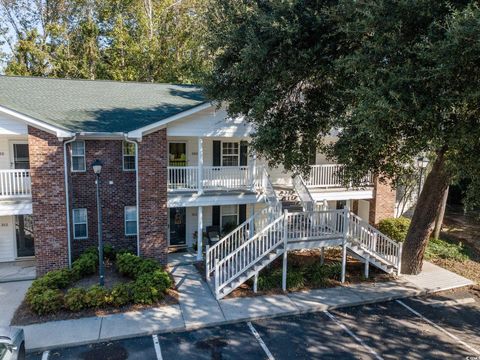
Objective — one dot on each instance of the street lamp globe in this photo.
(97, 167)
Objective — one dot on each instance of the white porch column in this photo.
(252, 170)
(200, 233)
(251, 225)
(200, 165)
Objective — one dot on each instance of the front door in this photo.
(178, 227)
(24, 235)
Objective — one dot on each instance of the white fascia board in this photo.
(60, 133)
(319, 195)
(194, 199)
(138, 133)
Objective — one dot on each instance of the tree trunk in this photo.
(440, 215)
(423, 220)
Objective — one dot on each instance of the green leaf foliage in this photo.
(148, 40)
(389, 79)
(395, 228)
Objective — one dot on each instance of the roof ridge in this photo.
(96, 80)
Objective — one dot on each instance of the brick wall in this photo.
(117, 190)
(382, 205)
(48, 200)
(152, 165)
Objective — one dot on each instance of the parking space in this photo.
(443, 326)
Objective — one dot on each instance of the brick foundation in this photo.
(48, 200)
(382, 205)
(117, 190)
(152, 168)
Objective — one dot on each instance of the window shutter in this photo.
(217, 153)
(216, 215)
(243, 153)
(242, 213)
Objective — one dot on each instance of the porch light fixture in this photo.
(97, 169)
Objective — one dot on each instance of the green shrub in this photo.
(147, 266)
(128, 264)
(74, 299)
(319, 275)
(93, 250)
(109, 252)
(395, 228)
(272, 279)
(86, 264)
(150, 287)
(46, 302)
(121, 294)
(133, 266)
(57, 279)
(34, 290)
(96, 297)
(443, 249)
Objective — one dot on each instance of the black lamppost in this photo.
(97, 169)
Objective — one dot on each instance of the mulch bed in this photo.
(24, 316)
(354, 273)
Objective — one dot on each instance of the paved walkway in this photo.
(17, 270)
(199, 308)
(11, 295)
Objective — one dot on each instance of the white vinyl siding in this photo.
(130, 220)
(80, 224)
(78, 156)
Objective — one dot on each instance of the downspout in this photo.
(67, 199)
(137, 191)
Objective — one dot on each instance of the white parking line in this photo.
(438, 327)
(259, 339)
(45, 355)
(156, 345)
(352, 334)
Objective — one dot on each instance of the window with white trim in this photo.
(78, 156)
(128, 156)
(229, 215)
(80, 224)
(230, 154)
(130, 220)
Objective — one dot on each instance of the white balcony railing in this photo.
(192, 178)
(15, 184)
(330, 176)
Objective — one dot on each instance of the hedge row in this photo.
(149, 284)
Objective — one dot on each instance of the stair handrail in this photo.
(375, 241)
(238, 236)
(306, 199)
(270, 194)
(225, 276)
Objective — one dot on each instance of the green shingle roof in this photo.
(96, 106)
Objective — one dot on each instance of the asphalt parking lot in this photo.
(435, 327)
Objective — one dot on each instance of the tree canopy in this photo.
(393, 78)
(146, 40)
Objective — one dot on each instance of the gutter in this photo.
(67, 199)
(137, 195)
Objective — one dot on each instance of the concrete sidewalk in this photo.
(199, 308)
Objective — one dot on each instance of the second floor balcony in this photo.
(331, 176)
(15, 184)
(212, 178)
